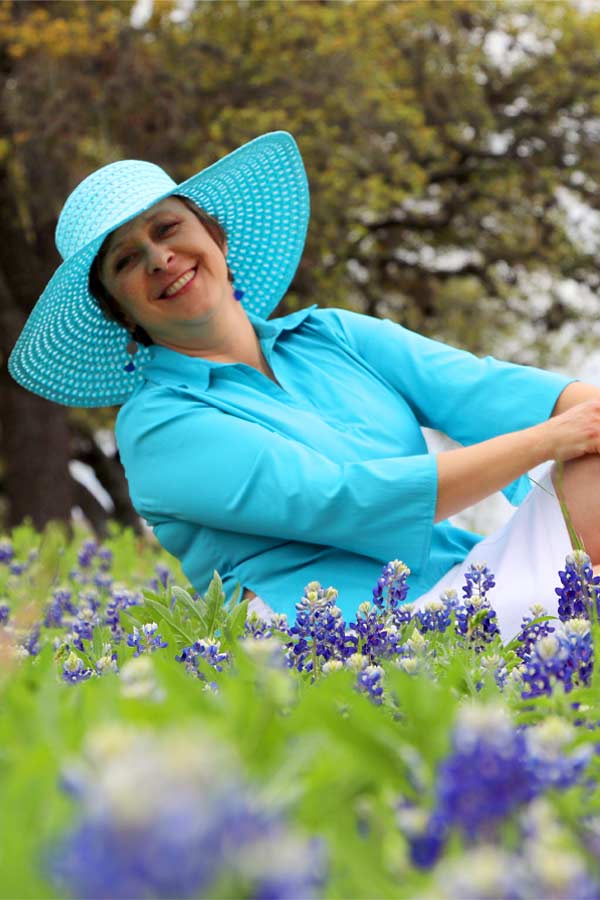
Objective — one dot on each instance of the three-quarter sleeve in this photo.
(194, 463)
(468, 398)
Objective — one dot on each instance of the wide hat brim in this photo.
(69, 352)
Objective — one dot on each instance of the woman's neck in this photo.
(227, 336)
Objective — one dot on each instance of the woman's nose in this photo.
(158, 257)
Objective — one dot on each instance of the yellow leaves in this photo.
(21, 190)
(4, 150)
(84, 31)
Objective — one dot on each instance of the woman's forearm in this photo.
(469, 474)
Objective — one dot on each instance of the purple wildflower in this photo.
(4, 613)
(120, 599)
(164, 574)
(369, 680)
(495, 665)
(74, 669)
(319, 632)
(478, 581)
(198, 820)
(371, 634)
(543, 867)
(87, 554)
(108, 661)
(475, 617)
(83, 627)
(146, 639)
(434, 615)
(256, 627)
(426, 834)
(31, 641)
(60, 604)
(391, 588)
(578, 592)
(486, 776)
(102, 580)
(6, 552)
(208, 650)
(529, 634)
(403, 615)
(106, 557)
(91, 600)
(547, 743)
(565, 657)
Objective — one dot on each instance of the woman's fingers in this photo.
(574, 432)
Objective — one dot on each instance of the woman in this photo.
(290, 450)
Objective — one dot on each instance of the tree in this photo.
(445, 143)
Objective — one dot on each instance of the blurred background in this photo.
(452, 150)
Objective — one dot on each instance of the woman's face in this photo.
(165, 271)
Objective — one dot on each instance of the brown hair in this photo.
(107, 302)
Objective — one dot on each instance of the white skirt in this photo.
(525, 556)
(258, 605)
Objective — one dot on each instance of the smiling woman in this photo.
(108, 303)
(290, 450)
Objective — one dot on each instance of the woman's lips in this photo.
(187, 281)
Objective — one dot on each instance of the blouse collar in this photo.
(166, 366)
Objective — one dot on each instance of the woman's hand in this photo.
(573, 433)
(470, 474)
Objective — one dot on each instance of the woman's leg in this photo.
(581, 494)
(525, 555)
(257, 605)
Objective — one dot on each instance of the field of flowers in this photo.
(155, 743)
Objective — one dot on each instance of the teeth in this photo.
(181, 282)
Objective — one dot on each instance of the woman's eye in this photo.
(166, 227)
(122, 262)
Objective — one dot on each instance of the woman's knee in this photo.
(579, 488)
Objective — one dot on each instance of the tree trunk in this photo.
(34, 439)
(35, 449)
(34, 432)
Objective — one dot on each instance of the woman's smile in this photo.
(166, 272)
(181, 284)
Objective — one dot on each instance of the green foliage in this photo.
(336, 762)
(437, 136)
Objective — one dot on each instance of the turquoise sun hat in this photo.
(68, 351)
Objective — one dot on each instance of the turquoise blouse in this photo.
(325, 476)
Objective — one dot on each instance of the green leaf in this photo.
(231, 603)
(214, 599)
(237, 619)
(163, 599)
(196, 609)
(100, 637)
(164, 615)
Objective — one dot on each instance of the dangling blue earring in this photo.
(132, 349)
(237, 293)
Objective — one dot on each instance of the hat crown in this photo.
(105, 199)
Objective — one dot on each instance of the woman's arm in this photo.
(469, 474)
(574, 393)
(199, 465)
